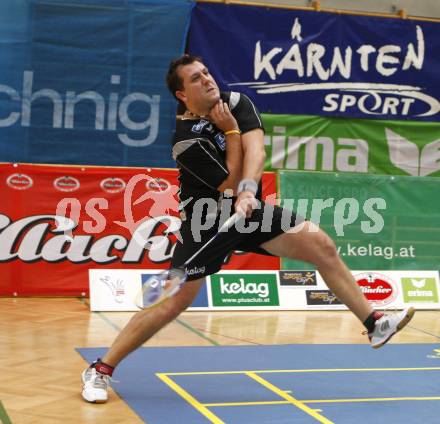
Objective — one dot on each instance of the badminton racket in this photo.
(167, 283)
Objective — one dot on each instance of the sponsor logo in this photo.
(19, 181)
(66, 183)
(197, 128)
(321, 297)
(298, 278)
(201, 300)
(210, 129)
(326, 153)
(305, 60)
(155, 289)
(377, 288)
(43, 238)
(116, 288)
(112, 112)
(244, 290)
(113, 185)
(419, 290)
(292, 152)
(220, 140)
(158, 184)
(196, 271)
(435, 355)
(406, 155)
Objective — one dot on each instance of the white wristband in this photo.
(247, 185)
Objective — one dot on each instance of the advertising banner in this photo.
(117, 218)
(382, 289)
(83, 82)
(314, 143)
(377, 222)
(117, 290)
(310, 63)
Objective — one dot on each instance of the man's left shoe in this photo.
(388, 325)
(95, 385)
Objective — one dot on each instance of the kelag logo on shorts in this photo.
(298, 278)
(419, 290)
(244, 290)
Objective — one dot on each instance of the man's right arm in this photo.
(200, 159)
(222, 117)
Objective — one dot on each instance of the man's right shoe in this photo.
(95, 385)
(388, 325)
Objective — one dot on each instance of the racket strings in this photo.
(161, 286)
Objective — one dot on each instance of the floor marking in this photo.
(109, 322)
(285, 402)
(190, 399)
(289, 398)
(101, 315)
(195, 331)
(256, 403)
(372, 399)
(4, 418)
(228, 337)
(303, 371)
(423, 331)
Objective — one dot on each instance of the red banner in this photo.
(116, 218)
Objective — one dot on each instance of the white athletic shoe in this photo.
(95, 388)
(388, 325)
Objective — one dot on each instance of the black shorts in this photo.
(265, 223)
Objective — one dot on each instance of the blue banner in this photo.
(310, 63)
(83, 81)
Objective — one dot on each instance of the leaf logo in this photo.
(406, 155)
(418, 282)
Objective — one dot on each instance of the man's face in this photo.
(200, 91)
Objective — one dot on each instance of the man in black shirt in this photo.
(209, 153)
(219, 150)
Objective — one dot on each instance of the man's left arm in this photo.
(254, 154)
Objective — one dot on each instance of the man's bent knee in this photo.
(325, 249)
(178, 303)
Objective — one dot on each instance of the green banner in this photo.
(241, 289)
(377, 222)
(313, 143)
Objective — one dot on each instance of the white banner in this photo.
(116, 289)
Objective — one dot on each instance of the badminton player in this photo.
(219, 150)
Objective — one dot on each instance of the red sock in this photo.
(103, 368)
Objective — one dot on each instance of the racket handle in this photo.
(230, 222)
(226, 225)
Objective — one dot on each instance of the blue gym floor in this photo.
(342, 384)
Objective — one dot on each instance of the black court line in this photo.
(182, 323)
(228, 337)
(101, 315)
(423, 331)
(195, 331)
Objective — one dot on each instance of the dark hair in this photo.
(174, 81)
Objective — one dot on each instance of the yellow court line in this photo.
(190, 399)
(285, 402)
(290, 398)
(303, 371)
(372, 399)
(269, 402)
